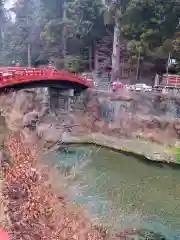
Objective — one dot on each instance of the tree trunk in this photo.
(116, 51)
(90, 58)
(64, 34)
(138, 65)
(96, 59)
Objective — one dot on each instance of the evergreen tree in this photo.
(2, 23)
(150, 27)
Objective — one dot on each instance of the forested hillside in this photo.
(70, 32)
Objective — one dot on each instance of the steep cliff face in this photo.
(139, 115)
(150, 116)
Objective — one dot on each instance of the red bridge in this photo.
(18, 78)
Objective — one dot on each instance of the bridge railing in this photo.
(31, 74)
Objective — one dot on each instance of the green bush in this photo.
(75, 64)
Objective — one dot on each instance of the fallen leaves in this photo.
(34, 210)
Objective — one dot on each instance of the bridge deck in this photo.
(11, 77)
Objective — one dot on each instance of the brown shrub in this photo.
(34, 209)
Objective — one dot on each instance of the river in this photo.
(121, 191)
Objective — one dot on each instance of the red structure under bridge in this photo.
(19, 78)
(61, 86)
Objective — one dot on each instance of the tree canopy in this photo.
(59, 28)
(152, 25)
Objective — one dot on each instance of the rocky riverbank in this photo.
(147, 150)
(34, 210)
(145, 127)
(144, 123)
(31, 207)
(27, 184)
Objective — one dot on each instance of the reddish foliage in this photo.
(3, 235)
(34, 210)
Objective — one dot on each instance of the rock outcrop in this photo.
(150, 116)
(49, 132)
(30, 119)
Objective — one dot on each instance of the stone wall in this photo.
(150, 116)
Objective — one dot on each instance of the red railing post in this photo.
(1, 78)
(13, 75)
(19, 74)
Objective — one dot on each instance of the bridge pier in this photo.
(44, 93)
(60, 99)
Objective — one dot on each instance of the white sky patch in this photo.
(8, 5)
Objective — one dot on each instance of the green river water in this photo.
(123, 191)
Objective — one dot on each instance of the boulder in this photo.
(49, 132)
(5, 157)
(2, 157)
(44, 112)
(30, 119)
